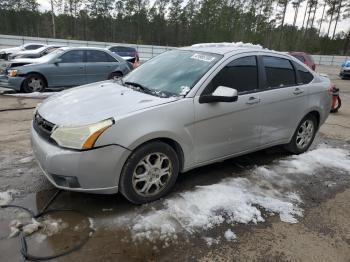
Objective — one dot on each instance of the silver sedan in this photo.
(180, 110)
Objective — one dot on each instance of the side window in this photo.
(75, 56)
(32, 47)
(279, 72)
(304, 74)
(98, 56)
(240, 74)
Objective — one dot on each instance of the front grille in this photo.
(43, 127)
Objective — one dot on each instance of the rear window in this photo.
(304, 74)
(279, 72)
(299, 57)
(123, 49)
(32, 47)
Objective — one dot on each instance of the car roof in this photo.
(227, 48)
(82, 48)
(298, 53)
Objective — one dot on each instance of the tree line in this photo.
(184, 22)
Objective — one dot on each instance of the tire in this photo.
(143, 178)
(309, 125)
(34, 83)
(115, 75)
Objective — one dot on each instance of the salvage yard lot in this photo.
(266, 206)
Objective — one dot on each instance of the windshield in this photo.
(347, 64)
(173, 73)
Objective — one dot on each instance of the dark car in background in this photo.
(305, 58)
(64, 67)
(129, 54)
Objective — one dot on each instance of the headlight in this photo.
(82, 137)
(12, 72)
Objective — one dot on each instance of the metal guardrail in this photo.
(330, 59)
(145, 51)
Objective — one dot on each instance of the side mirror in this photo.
(221, 94)
(57, 61)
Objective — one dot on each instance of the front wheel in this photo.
(303, 136)
(149, 173)
(34, 83)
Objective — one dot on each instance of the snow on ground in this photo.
(229, 235)
(262, 191)
(6, 197)
(32, 95)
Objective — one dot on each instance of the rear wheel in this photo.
(149, 173)
(34, 83)
(303, 136)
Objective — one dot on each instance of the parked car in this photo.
(44, 50)
(6, 52)
(345, 70)
(305, 58)
(129, 54)
(183, 109)
(64, 67)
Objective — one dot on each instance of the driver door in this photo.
(228, 128)
(69, 71)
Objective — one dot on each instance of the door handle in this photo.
(253, 100)
(298, 91)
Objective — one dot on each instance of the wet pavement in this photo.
(279, 207)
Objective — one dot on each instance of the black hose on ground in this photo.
(16, 109)
(24, 247)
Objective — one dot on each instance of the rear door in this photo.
(284, 101)
(69, 71)
(99, 65)
(224, 129)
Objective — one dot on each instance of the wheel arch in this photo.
(317, 115)
(35, 73)
(172, 143)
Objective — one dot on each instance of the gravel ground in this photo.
(265, 206)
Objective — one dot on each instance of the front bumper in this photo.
(91, 171)
(11, 82)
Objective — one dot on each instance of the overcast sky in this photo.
(344, 25)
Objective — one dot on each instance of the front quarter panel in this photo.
(172, 120)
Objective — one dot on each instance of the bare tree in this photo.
(321, 21)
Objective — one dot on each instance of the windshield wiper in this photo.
(139, 86)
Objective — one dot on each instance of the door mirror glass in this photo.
(221, 94)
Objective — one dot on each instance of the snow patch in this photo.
(210, 241)
(261, 192)
(33, 95)
(229, 235)
(6, 197)
(228, 44)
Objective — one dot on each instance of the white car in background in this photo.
(36, 53)
(6, 52)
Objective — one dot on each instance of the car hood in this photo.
(95, 102)
(10, 50)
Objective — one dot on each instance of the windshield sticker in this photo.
(184, 90)
(205, 58)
